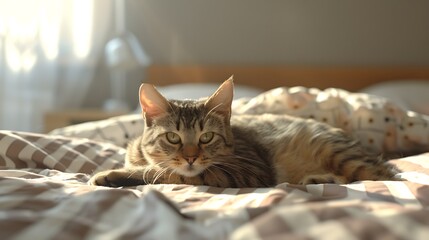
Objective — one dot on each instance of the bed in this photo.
(45, 195)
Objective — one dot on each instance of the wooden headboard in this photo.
(268, 77)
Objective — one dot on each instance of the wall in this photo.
(328, 32)
(295, 32)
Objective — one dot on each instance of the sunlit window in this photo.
(82, 27)
(50, 21)
(32, 26)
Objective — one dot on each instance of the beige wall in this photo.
(297, 32)
(364, 32)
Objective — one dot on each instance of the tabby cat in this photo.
(199, 142)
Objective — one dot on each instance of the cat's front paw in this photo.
(322, 178)
(117, 178)
(106, 178)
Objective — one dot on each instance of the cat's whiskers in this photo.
(155, 166)
(145, 174)
(169, 175)
(158, 174)
(132, 172)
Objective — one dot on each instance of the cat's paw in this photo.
(322, 178)
(106, 178)
(118, 178)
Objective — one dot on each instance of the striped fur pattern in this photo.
(198, 142)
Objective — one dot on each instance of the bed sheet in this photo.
(44, 194)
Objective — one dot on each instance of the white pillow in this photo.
(409, 94)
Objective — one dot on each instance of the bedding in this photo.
(408, 93)
(200, 90)
(45, 195)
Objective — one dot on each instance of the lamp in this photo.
(123, 53)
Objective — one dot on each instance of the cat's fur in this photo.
(199, 142)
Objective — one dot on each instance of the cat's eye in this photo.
(173, 138)
(206, 137)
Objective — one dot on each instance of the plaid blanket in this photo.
(44, 195)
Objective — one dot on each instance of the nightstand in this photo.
(58, 119)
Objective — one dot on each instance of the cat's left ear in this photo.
(153, 104)
(220, 102)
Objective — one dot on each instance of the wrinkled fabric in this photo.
(44, 195)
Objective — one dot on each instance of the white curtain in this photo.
(49, 51)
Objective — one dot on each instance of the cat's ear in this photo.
(153, 104)
(220, 102)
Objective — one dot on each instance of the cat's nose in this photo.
(191, 160)
(190, 153)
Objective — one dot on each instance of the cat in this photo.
(198, 142)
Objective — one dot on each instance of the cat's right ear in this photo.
(220, 102)
(153, 104)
